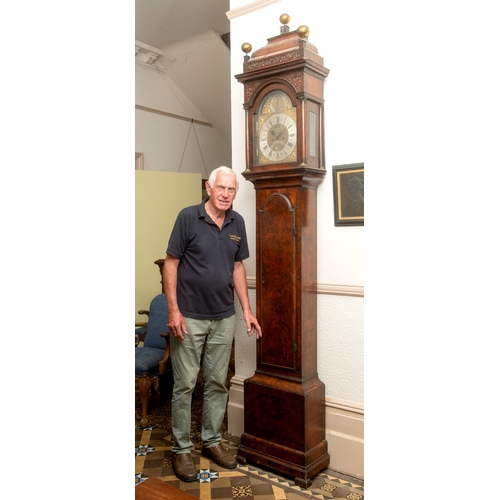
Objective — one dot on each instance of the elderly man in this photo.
(202, 269)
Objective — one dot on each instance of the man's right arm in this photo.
(176, 322)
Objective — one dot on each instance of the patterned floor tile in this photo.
(153, 456)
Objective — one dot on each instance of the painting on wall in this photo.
(349, 194)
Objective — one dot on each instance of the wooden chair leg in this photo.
(144, 385)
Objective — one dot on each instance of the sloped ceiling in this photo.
(162, 23)
(197, 60)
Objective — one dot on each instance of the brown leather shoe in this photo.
(184, 467)
(220, 456)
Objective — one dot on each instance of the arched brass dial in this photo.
(276, 130)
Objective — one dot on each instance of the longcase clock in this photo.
(284, 414)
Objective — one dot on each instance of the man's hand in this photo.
(177, 325)
(252, 325)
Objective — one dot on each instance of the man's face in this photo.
(223, 192)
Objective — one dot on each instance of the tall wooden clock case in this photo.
(285, 399)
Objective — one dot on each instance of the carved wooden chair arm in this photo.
(163, 362)
(138, 338)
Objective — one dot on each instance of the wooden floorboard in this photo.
(156, 489)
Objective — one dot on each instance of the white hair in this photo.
(226, 170)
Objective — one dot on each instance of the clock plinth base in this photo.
(285, 427)
(302, 475)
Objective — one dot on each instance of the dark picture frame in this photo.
(349, 194)
(204, 193)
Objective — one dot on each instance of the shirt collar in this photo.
(202, 213)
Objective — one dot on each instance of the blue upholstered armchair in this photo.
(151, 358)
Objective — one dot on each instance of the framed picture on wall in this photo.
(349, 194)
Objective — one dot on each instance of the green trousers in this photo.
(217, 337)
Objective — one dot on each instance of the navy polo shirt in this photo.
(207, 255)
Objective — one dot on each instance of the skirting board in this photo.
(344, 429)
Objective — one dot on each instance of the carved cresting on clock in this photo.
(284, 399)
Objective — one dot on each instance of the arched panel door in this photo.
(277, 223)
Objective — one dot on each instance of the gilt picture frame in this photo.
(349, 194)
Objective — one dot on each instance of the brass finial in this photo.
(303, 32)
(284, 19)
(246, 47)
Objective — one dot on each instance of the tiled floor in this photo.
(153, 458)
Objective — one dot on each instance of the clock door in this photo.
(277, 350)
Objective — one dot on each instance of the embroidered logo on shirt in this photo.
(235, 238)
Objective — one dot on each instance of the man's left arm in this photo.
(240, 285)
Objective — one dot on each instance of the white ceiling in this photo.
(161, 23)
(195, 58)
